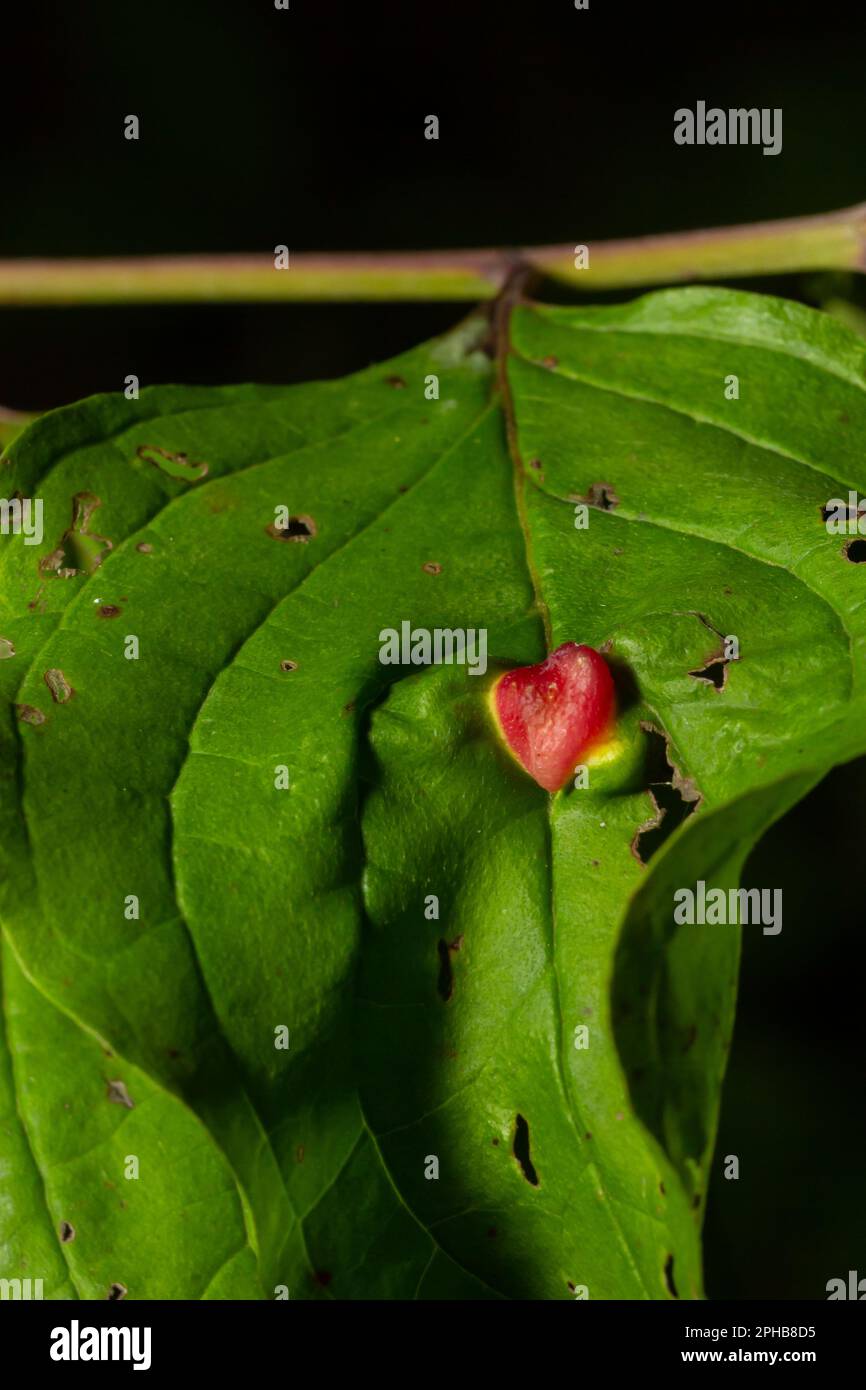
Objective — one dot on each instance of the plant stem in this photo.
(829, 241)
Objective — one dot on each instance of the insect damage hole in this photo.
(855, 551)
(175, 465)
(715, 672)
(673, 796)
(520, 1149)
(601, 495)
(79, 550)
(297, 528)
(669, 1277)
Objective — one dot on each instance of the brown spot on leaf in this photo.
(29, 714)
(288, 665)
(7, 648)
(144, 548)
(61, 690)
(396, 381)
(116, 1292)
(108, 610)
(119, 1095)
(432, 567)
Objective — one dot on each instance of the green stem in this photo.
(830, 241)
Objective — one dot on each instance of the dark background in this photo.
(305, 127)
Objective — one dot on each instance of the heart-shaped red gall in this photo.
(552, 714)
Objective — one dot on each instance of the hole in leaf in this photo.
(674, 797)
(79, 551)
(67, 1232)
(288, 665)
(297, 528)
(175, 465)
(855, 551)
(521, 1150)
(601, 495)
(116, 1292)
(714, 673)
(445, 983)
(669, 1277)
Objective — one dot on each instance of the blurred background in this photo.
(305, 127)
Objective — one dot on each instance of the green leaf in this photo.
(103, 1164)
(306, 913)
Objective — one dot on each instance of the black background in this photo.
(305, 127)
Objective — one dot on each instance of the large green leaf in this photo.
(430, 928)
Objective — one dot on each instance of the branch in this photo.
(831, 241)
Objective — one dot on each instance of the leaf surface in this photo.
(512, 1093)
